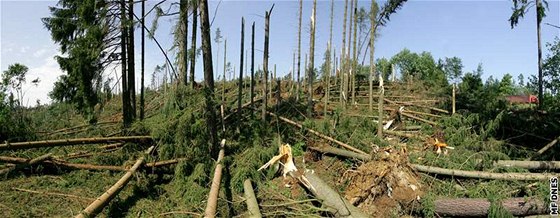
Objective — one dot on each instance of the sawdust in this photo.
(384, 187)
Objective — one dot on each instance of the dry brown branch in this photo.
(252, 205)
(86, 199)
(76, 141)
(479, 207)
(318, 134)
(215, 187)
(112, 146)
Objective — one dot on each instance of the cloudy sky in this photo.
(477, 31)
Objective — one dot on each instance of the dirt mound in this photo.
(384, 187)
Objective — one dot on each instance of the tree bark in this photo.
(240, 92)
(125, 95)
(298, 88)
(371, 54)
(208, 77)
(265, 63)
(183, 44)
(193, 43)
(97, 206)
(252, 205)
(252, 64)
(532, 165)
(380, 108)
(215, 187)
(539, 20)
(479, 207)
(224, 74)
(354, 52)
(343, 57)
(142, 100)
(483, 175)
(545, 148)
(77, 141)
(27, 163)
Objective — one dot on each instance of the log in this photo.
(532, 165)
(97, 206)
(27, 163)
(545, 148)
(318, 134)
(421, 106)
(215, 188)
(76, 141)
(165, 162)
(479, 207)
(483, 175)
(341, 152)
(112, 146)
(419, 119)
(331, 200)
(252, 205)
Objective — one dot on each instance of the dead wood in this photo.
(318, 134)
(479, 207)
(76, 141)
(545, 148)
(406, 135)
(252, 205)
(112, 146)
(215, 187)
(81, 126)
(330, 199)
(26, 163)
(341, 152)
(54, 194)
(419, 119)
(532, 165)
(483, 175)
(97, 206)
(416, 105)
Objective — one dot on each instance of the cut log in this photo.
(286, 120)
(252, 205)
(479, 207)
(532, 165)
(215, 188)
(97, 206)
(77, 141)
(330, 199)
(483, 175)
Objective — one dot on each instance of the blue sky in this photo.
(476, 31)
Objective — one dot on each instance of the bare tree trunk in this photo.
(125, 95)
(329, 65)
(131, 72)
(299, 51)
(371, 55)
(453, 100)
(208, 77)
(484, 175)
(479, 207)
(311, 73)
(142, 100)
(265, 62)
(183, 44)
(380, 108)
(539, 19)
(354, 53)
(240, 92)
(252, 64)
(193, 43)
(252, 205)
(343, 56)
(29, 163)
(215, 187)
(224, 75)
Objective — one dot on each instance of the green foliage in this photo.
(522, 7)
(452, 67)
(419, 66)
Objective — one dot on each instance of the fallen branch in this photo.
(252, 205)
(55, 194)
(215, 187)
(318, 133)
(96, 206)
(180, 212)
(77, 141)
(26, 163)
(545, 148)
(419, 119)
(410, 104)
(479, 207)
(532, 165)
(112, 146)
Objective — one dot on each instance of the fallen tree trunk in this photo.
(483, 175)
(419, 119)
(318, 134)
(449, 172)
(215, 187)
(252, 205)
(27, 163)
(330, 199)
(545, 148)
(112, 146)
(532, 165)
(479, 207)
(406, 135)
(421, 106)
(97, 206)
(77, 141)
(54, 194)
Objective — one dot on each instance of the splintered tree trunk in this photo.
(125, 95)
(97, 206)
(208, 76)
(215, 187)
(299, 52)
(371, 54)
(252, 205)
(311, 63)
(265, 64)
(193, 43)
(479, 207)
(131, 77)
(239, 93)
(252, 64)
(142, 100)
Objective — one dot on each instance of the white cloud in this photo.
(47, 73)
(24, 49)
(39, 53)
